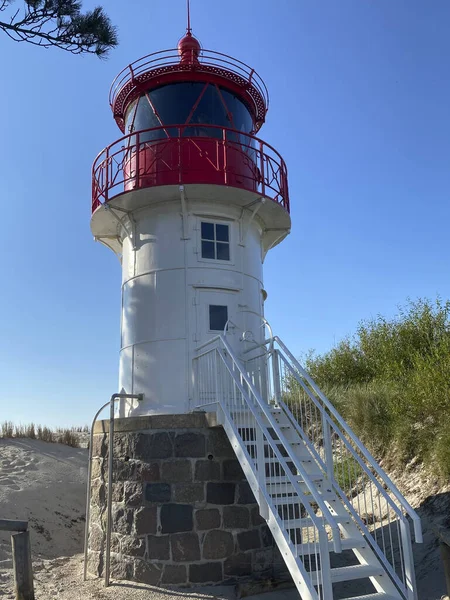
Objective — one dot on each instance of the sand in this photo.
(46, 484)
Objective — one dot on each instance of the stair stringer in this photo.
(300, 576)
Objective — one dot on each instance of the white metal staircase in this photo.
(323, 495)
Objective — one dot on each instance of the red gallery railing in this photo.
(189, 154)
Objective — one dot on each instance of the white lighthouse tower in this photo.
(191, 201)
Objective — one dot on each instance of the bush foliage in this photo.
(391, 381)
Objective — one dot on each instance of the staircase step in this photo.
(274, 480)
(350, 573)
(378, 596)
(347, 544)
(299, 523)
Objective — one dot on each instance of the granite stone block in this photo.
(219, 445)
(220, 493)
(189, 492)
(236, 517)
(176, 517)
(174, 574)
(238, 565)
(218, 544)
(245, 494)
(176, 471)
(207, 470)
(133, 493)
(190, 445)
(232, 471)
(122, 521)
(158, 492)
(185, 547)
(208, 518)
(145, 520)
(132, 546)
(149, 472)
(149, 573)
(249, 540)
(158, 547)
(207, 572)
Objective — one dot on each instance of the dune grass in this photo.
(67, 436)
(391, 381)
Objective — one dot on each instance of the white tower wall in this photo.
(167, 288)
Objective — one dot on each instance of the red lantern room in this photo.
(189, 115)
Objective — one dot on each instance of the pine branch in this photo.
(61, 23)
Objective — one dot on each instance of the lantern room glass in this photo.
(191, 103)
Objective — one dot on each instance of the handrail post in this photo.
(408, 560)
(276, 377)
(88, 490)
(180, 158)
(111, 402)
(225, 162)
(329, 462)
(107, 176)
(138, 154)
(261, 470)
(262, 170)
(114, 397)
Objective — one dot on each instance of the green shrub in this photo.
(441, 454)
(391, 381)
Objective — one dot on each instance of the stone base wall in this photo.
(183, 513)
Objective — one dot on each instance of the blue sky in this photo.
(360, 94)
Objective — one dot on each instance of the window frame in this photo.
(215, 222)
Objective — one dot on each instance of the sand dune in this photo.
(45, 484)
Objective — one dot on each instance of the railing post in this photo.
(137, 185)
(325, 566)
(225, 162)
(216, 371)
(261, 472)
(195, 394)
(445, 556)
(408, 560)
(180, 158)
(276, 377)
(107, 175)
(329, 462)
(261, 157)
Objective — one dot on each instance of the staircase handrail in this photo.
(348, 430)
(306, 502)
(280, 457)
(265, 409)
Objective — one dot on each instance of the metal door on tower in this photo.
(216, 312)
(216, 309)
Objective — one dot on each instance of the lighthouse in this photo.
(224, 461)
(191, 199)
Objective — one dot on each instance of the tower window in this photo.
(215, 241)
(218, 317)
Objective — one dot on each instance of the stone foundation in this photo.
(183, 513)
